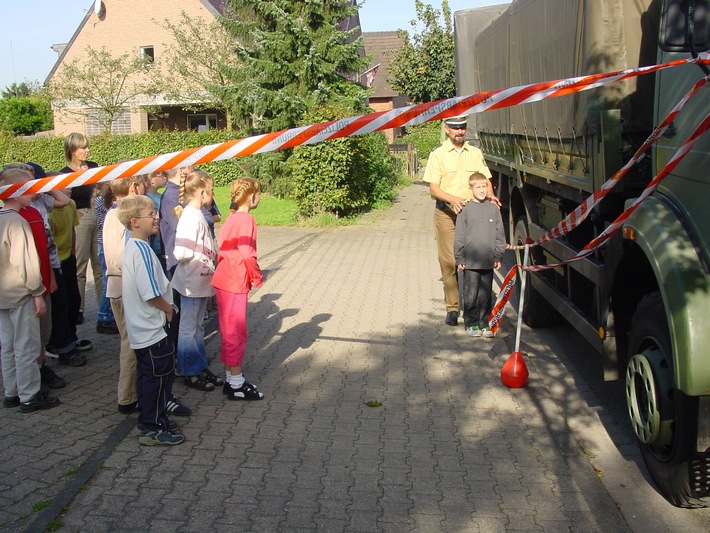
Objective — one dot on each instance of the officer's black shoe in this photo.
(452, 318)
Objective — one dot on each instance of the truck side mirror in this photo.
(676, 28)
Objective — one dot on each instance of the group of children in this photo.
(163, 262)
(167, 292)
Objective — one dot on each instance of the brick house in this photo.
(136, 27)
(381, 46)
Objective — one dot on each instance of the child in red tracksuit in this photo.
(237, 272)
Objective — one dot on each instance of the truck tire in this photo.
(663, 418)
(537, 312)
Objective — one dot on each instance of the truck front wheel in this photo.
(663, 418)
(537, 312)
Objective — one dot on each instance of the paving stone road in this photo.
(346, 316)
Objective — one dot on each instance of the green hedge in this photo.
(424, 137)
(108, 149)
(341, 176)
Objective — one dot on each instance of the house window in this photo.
(120, 125)
(148, 53)
(202, 121)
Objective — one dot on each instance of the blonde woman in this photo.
(76, 153)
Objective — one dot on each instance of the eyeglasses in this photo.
(154, 214)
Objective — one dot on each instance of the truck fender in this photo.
(684, 284)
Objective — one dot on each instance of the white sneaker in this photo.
(53, 355)
(473, 331)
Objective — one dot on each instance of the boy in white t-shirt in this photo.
(147, 293)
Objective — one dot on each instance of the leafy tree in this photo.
(424, 68)
(294, 56)
(25, 115)
(103, 85)
(17, 91)
(203, 55)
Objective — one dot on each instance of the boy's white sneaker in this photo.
(487, 332)
(473, 331)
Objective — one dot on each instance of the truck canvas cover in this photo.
(541, 40)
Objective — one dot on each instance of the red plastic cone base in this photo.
(514, 373)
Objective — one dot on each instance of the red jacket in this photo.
(36, 222)
(237, 268)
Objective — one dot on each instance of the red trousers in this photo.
(232, 325)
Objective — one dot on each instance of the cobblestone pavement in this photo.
(346, 316)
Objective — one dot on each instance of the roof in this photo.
(382, 46)
(216, 7)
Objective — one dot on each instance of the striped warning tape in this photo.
(417, 114)
(598, 242)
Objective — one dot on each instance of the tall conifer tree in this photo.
(297, 55)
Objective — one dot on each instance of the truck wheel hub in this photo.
(642, 399)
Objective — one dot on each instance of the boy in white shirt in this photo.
(147, 293)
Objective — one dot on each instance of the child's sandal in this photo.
(246, 392)
(212, 377)
(199, 383)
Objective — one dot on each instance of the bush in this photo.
(424, 137)
(25, 115)
(341, 176)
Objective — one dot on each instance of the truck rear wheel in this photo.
(663, 418)
(537, 312)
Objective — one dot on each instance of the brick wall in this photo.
(125, 27)
(386, 104)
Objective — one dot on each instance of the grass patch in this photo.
(40, 505)
(272, 211)
(55, 525)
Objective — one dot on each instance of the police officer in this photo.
(447, 172)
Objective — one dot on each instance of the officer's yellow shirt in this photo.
(450, 169)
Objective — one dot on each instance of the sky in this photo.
(31, 27)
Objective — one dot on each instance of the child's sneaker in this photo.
(176, 408)
(84, 345)
(173, 427)
(11, 401)
(160, 438)
(39, 402)
(487, 332)
(51, 351)
(473, 331)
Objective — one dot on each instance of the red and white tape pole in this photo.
(418, 114)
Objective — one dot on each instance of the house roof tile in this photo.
(382, 46)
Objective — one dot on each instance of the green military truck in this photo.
(643, 300)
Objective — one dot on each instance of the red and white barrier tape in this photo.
(604, 236)
(506, 290)
(417, 114)
(575, 218)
